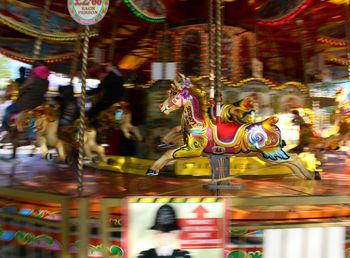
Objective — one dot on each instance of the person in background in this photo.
(111, 90)
(69, 110)
(31, 94)
(22, 78)
(166, 234)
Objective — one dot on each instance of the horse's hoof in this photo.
(151, 172)
(62, 164)
(284, 144)
(296, 150)
(95, 159)
(317, 176)
(110, 162)
(87, 161)
(69, 160)
(49, 156)
(165, 146)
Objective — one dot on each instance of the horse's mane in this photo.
(198, 90)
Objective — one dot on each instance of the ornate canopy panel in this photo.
(22, 50)
(151, 11)
(25, 18)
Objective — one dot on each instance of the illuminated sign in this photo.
(88, 12)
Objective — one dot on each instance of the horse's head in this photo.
(11, 92)
(178, 94)
(247, 103)
(340, 96)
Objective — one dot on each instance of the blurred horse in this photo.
(341, 134)
(119, 115)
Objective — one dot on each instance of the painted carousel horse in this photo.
(201, 135)
(240, 112)
(49, 134)
(119, 115)
(309, 138)
(341, 134)
(46, 127)
(12, 91)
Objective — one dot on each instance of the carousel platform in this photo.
(34, 173)
(42, 212)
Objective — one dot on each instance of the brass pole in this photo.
(74, 62)
(218, 39)
(43, 26)
(211, 54)
(82, 109)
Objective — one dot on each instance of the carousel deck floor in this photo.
(40, 175)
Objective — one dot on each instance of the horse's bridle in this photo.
(182, 94)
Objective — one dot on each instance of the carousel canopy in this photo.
(295, 39)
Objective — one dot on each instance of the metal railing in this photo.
(106, 229)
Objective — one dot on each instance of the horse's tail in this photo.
(270, 122)
(271, 148)
(297, 167)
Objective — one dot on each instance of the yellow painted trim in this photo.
(46, 35)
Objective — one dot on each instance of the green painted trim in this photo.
(141, 15)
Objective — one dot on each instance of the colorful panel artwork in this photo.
(22, 49)
(24, 17)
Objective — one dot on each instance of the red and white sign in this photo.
(201, 232)
(200, 227)
(88, 12)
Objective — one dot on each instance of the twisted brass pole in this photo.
(218, 39)
(211, 53)
(82, 109)
(74, 62)
(43, 27)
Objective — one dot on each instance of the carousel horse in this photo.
(201, 135)
(62, 138)
(12, 91)
(309, 138)
(341, 133)
(120, 115)
(47, 131)
(240, 112)
(46, 127)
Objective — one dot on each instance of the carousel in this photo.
(233, 121)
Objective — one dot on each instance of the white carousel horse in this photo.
(49, 134)
(46, 127)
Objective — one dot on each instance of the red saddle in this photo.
(227, 132)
